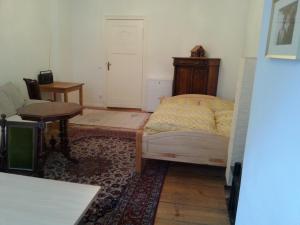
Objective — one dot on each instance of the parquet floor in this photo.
(193, 195)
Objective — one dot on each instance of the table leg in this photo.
(54, 97)
(66, 96)
(81, 96)
(64, 140)
(52, 143)
(39, 162)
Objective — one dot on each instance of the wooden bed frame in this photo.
(189, 147)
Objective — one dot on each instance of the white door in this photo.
(124, 63)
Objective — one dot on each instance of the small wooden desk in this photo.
(35, 201)
(63, 88)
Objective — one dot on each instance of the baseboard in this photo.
(94, 107)
(125, 109)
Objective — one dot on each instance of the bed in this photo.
(189, 128)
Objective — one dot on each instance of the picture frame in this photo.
(284, 30)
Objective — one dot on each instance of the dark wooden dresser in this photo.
(196, 75)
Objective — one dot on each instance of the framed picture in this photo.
(284, 32)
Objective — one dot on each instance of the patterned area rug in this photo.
(139, 203)
(107, 160)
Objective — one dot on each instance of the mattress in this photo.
(192, 113)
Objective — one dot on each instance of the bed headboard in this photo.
(196, 75)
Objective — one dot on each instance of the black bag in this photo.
(45, 77)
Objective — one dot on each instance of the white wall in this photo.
(61, 42)
(255, 12)
(173, 27)
(244, 88)
(70, 33)
(24, 39)
(240, 121)
(270, 182)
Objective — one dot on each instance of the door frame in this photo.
(143, 83)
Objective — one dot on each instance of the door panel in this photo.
(125, 55)
(124, 89)
(183, 80)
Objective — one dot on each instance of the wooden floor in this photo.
(193, 195)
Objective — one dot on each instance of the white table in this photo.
(35, 201)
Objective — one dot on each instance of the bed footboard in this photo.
(190, 147)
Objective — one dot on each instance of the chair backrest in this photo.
(3, 155)
(21, 146)
(33, 89)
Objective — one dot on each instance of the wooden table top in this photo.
(35, 201)
(49, 111)
(60, 85)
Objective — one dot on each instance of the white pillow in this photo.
(6, 105)
(14, 94)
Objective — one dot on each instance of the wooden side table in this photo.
(63, 88)
(48, 112)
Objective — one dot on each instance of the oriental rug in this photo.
(108, 160)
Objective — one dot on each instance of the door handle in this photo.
(108, 65)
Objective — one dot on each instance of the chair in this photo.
(19, 146)
(2, 142)
(33, 89)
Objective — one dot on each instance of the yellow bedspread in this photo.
(192, 113)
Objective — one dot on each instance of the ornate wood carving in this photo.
(198, 51)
